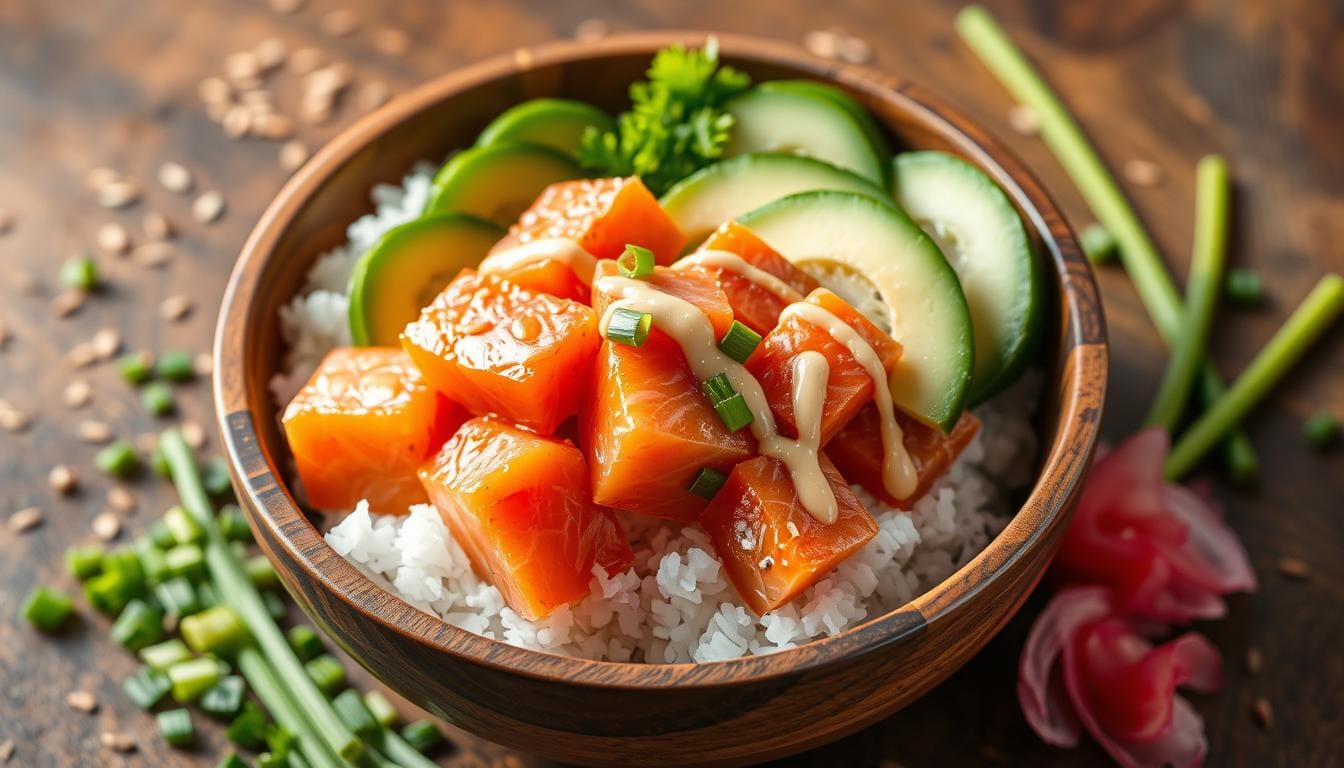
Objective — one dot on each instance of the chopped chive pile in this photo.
(381, 709)
(739, 342)
(305, 642)
(186, 560)
(107, 592)
(357, 717)
(213, 630)
(118, 459)
(1242, 286)
(176, 366)
(326, 672)
(47, 608)
(423, 735)
(135, 367)
(707, 483)
(1322, 430)
(184, 529)
(163, 655)
(215, 477)
(192, 677)
(261, 572)
(223, 699)
(249, 728)
(176, 727)
(80, 273)
(157, 399)
(233, 524)
(177, 596)
(635, 262)
(139, 625)
(629, 327)
(147, 687)
(84, 562)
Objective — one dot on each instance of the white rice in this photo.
(675, 604)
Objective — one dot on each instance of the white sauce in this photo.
(734, 263)
(567, 252)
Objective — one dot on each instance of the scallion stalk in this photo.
(739, 342)
(265, 682)
(182, 526)
(635, 262)
(734, 412)
(177, 596)
(381, 709)
(1308, 321)
(356, 716)
(629, 327)
(214, 630)
(717, 388)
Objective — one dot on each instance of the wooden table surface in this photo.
(114, 83)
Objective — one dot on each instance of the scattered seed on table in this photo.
(4, 334)
(118, 194)
(212, 90)
(823, 43)
(6, 222)
(286, 6)
(175, 308)
(117, 741)
(293, 154)
(1254, 660)
(99, 177)
(82, 355)
(208, 207)
(106, 343)
(257, 98)
(193, 434)
(316, 112)
(6, 750)
(175, 177)
(120, 499)
(1023, 119)
(12, 419)
(77, 393)
(372, 95)
(94, 432)
(1263, 712)
(241, 66)
(854, 50)
(306, 60)
(237, 122)
(1293, 567)
(327, 81)
(157, 227)
(1144, 173)
(62, 479)
(216, 110)
(113, 239)
(68, 302)
(152, 254)
(270, 53)
(80, 272)
(339, 23)
(25, 519)
(391, 41)
(273, 126)
(106, 526)
(591, 29)
(82, 701)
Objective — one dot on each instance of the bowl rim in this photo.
(1080, 389)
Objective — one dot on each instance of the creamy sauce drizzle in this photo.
(567, 252)
(738, 265)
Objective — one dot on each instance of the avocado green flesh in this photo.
(498, 182)
(795, 122)
(865, 250)
(407, 268)
(729, 188)
(555, 123)
(979, 231)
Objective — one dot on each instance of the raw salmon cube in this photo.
(361, 427)
(857, 451)
(849, 385)
(518, 503)
(694, 288)
(754, 306)
(648, 431)
(499, 349)
(602, 215)
(771, 548)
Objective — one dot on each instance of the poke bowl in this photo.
(679, 637)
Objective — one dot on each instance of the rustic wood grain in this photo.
(113, 83)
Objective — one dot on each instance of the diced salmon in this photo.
(499, 349)
(756, 307)
(518, 503)
(849, 385)
(551, 277)
(771, 548)
(361, 427)
(697, 289)
(648, 431)
(602, 215)
(857, 451)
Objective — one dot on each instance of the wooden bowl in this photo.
(627, 714)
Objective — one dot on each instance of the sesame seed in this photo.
(175, 308)
(204, 364)
(12, 419)
(152, 254)
(113, 239)
(100, 177)
(1294, 568)
(273, 126)
(237, 122)
(306, 60)
(106, 526)
(1144, 173)
(118, 194)
(286, 6)
(591, 29)
(62, 479)
(242, 67)
(854, 50)
(339, 23)
(193, 434)
(392, 42)
(1023, 119)
(6, 750)
(6, 222)
(82, 701)
(120, 499)
(1263, 712)
(106, 343)
(372, 95)
(212, 90)
(1254, 660)
(208, 207)
(25, 519)
(77, 393)
(327, 81)
(68, 302)
(4, 334)
(157, 226)
(95, 432)
(117, 741)
(293, 155)
(316, 112)
(175, 177)
(823, 43)
(82, 355)
(270, 53)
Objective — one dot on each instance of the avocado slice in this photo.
(796, 122)
(555, 123)
(979, 231)
(407, 268)
(875, 257)
(498, 182)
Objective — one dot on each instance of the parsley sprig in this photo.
(675, 124)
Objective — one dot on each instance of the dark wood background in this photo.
(113, 83)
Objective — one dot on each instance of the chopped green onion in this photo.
(223, 699)
(157, 399)
(80, 273)
(84, 562)
(275, 606)
(135, 367)
(239, 550)
(152, 561)
(1322, 430)
(707, 483)
(159, 463)
(1098, 244)
(305, 642)
(107, 592)
(261, 572)
(186, 560)
(176, 366)
(1201, 294)
(629, 327)
(178, 596)
(163, 655)
(1308, 321)
(635, 262)
(215, 477)
(1243, 287)
(175, 725)
(118, 459)
(423, 735)
(249, 728)
(233, 523)
(381, 709)
(1070, 146)
(326, 672)
(213, 630)
(161, 535)
(146, 687)
(734, 412)
(356, 716)
(124, 562)
(281, 741)
(183, 527)
(272, 760)
(47, 608)
(139, 625)
(739, 342)
(401, 752)
(207, 595)
(231, 760)
(192, 677)
(717, 388)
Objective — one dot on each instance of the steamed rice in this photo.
(675, 604)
